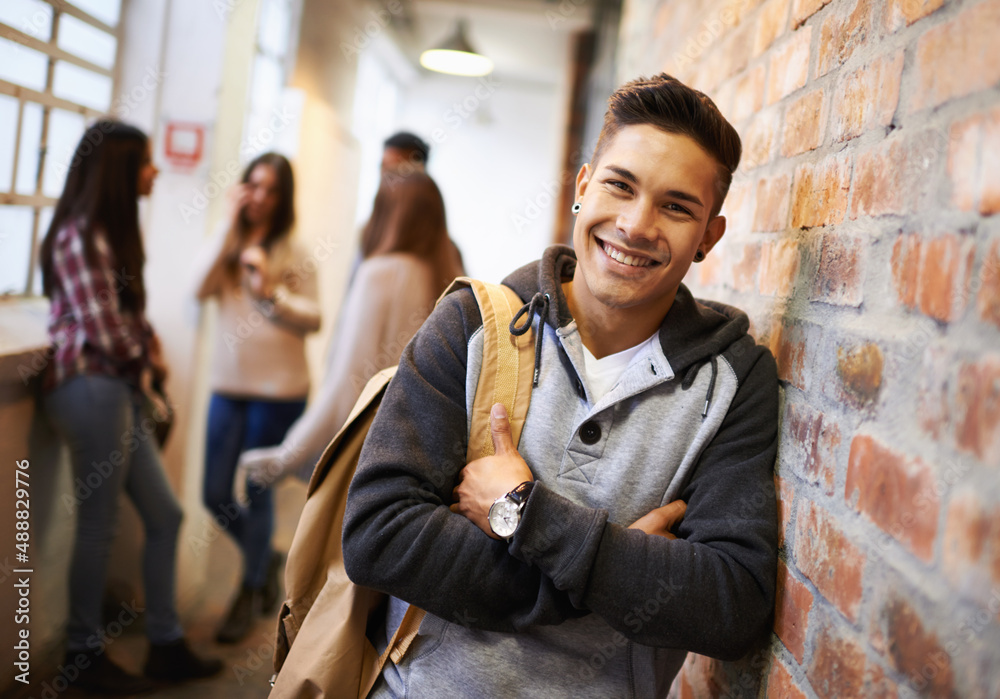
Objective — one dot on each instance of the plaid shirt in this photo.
(90, 333)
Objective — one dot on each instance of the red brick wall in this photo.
(864, 243)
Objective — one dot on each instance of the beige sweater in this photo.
(389, 300)
(259, 347)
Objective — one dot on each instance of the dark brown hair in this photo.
(101, 193)
(408, 216)
(668, 104)
(281, 221)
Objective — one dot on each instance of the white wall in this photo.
(496, 151)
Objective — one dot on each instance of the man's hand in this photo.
(661, 520)
(484, 480)
(156, 359)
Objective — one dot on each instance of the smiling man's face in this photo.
(646, 210)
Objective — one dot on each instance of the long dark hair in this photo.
(281, 221)
(408, 216)
(102, 193)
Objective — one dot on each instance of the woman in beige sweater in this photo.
(266, 292)
(408, 261)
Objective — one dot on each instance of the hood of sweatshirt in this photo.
(691, 334)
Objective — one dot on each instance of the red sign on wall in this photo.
(184, 144)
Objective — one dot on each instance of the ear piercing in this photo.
(699, 256)
(576, 208)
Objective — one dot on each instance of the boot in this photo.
(240, 618)
(104, 677)
(272, 586)
(176, 662)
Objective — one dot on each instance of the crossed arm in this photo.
(405, 533)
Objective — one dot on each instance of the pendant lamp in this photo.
(456, 56)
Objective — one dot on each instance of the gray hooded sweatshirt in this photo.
(576, 604)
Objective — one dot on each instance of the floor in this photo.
(247, 665)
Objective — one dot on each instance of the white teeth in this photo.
(626, 259)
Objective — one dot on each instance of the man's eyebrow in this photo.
(673, 193)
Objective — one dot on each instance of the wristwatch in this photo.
(505, 512)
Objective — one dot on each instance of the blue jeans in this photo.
(234, 426)
(113, 448)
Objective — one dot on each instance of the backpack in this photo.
(321, 649)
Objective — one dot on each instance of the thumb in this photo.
(500, 429)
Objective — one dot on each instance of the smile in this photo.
(625, 258)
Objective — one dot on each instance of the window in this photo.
(57, 73)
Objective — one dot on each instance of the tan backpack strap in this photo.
(505, 377)
(398, 645)
(508, 364)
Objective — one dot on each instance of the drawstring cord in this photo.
(692, 374)
(538, 305)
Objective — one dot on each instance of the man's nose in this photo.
(637, 219)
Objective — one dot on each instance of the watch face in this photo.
(504, 518)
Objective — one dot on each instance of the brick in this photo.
(964, 143)
(988, 299)
(900, 13)
(878, 181)
(771, 24)
(738, 208)
(841, 275)
(758, 140)
(968, 531)
(895, 492)
(771, 210)
(745, 271)
(786, 492)
(860, 372)
(989, 195)
(749, 95)
(737, 49)
(712, 270)
(821, 191)
(843, 33)
(915, 651)
(812, 440)
(933, 409)
(827, 557)
(788, 345)
(906, 268)
(803, 124)
(789, 65)
(838, 666)
(946, 264)
(877, 685)
(977, 409)
(958, 58)
(791, 611)
(867, 97)
(804, 9)
(779, 267)
(780, 683)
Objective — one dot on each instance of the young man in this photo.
(575, 584)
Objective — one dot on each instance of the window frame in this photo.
(49, 101)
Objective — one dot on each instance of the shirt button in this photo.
(590, 433)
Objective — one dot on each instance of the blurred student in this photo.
(104, 353)
(407, 262)
(404, 153)
(266, 292)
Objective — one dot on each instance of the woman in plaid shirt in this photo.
(104, 351)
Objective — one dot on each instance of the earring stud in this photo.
(699, 256)
(576, 208)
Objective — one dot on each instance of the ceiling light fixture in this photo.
(456, 56)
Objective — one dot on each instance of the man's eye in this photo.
(677, 208)
(620, 185)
